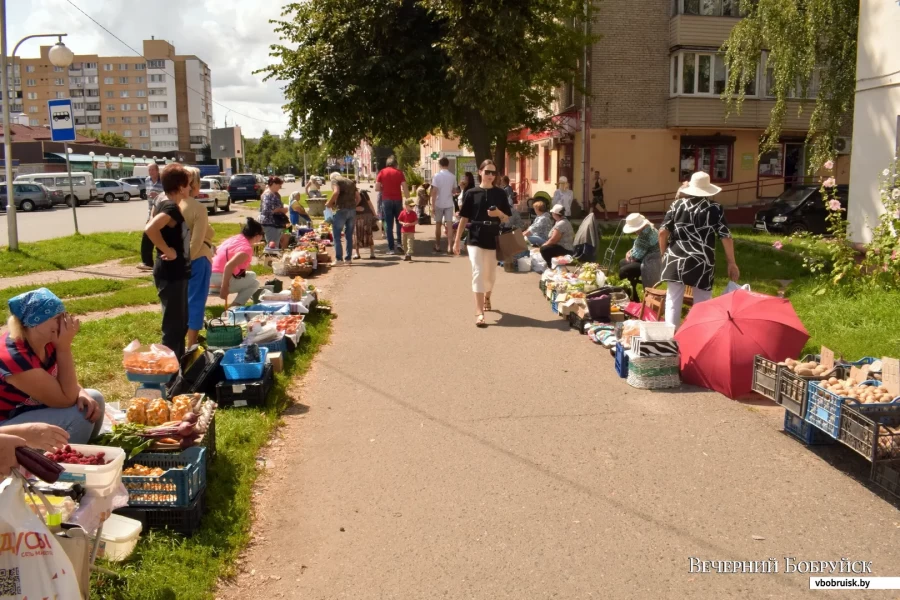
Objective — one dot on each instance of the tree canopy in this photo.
(394, 70)
(107, 138)
(810, 43)
(283, 154)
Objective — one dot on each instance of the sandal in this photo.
(487, 304)
(479, 321)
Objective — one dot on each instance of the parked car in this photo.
(133, 191)
(213, 196)
(82, 185)
(139, 182)
(27, 197)
(289, 179)
(799, 209)
(222, 179)
(110, 189)
(245, 186)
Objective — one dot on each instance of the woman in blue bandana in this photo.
(37, 371)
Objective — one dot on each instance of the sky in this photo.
(231, 36)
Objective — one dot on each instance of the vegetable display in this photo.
(68, 455)
(135, 437)
(864, 394)
(805, 369)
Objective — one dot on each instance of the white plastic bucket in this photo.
(120, 536)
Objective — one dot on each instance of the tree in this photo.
(107, 138)
(402, 68)
(807, 41)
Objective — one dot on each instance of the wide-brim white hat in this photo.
(563, 179)
(635, 222)
(700, 186)
(559, 209)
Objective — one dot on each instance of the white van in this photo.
(82, 185)
(141, 171)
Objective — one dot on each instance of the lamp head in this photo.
(60, 55)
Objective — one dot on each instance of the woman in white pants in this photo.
(687, 241)
(483, 208)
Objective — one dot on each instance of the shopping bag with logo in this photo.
(33, 564)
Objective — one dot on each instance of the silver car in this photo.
(109, 190)
(27, 197)
(132, 189)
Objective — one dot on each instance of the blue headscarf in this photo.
(36, 307)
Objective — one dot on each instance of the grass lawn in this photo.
(170, 566)
(68, 252)
(83, 296)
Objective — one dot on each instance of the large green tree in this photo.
(107, 138)
(808, 41)
(394, 70)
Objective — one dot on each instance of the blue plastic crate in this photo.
(621, 361)
(279, 345)
(235, 368)
(803, 431)
(177, 487)
(147, 378)
(823, 409)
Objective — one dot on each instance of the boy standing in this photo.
(408, 219)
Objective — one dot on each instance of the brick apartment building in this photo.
(161, 102)
(657, 116)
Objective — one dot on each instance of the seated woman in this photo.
(540, 228)
(643, 261)
(37, 372)
(587, 240)
(297, 213)
(562, 236)
(229, 266)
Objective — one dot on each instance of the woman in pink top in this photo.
(229, 265)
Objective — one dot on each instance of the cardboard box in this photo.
(277, 361)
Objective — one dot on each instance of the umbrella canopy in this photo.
(720, 338)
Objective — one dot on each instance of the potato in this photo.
(832, 380)
(810, 365)
(804, 372)
(790, 362)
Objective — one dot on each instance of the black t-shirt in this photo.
(475, 204)
(177, 237)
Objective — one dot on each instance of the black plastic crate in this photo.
(765, 377)
(247, 392)
(867, 433)
(886, 475)
(792, 390)
(185, 521)
(578, 323)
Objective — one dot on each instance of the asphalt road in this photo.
(97, 217)
(430, 459)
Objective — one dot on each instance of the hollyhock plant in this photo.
(834, 204)
(778, 245)
(829, 183)
(829, 164)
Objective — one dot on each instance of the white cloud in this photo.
(232, 37)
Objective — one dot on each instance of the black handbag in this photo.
(200, 372)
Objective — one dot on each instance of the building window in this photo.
(157, 91)
(145, 146)
(156, 64)
(32, 109)
(110, 108)
(93, 119)
(126, 107)
(141, 107)
(58, 69)
(76, 80)
(126, 133)
(93, 106)
(126, 120)
(123, 67)
(75, 67)
(534, 168)
(796, 91)
(771, 164)
(159, 118)
(142, 119)
(32, 95)
(144, 133)
(123, 80)
(92, 93)
(710, 8)
(35, 122)
(29, 68)
(90, 65)
(80, 121)
(710, 157)
(546, 163)
(110, 120)
(160, 104)
(141, 93)
(110, 94)
(78, 106)
(91, 79)
(701, 74)
(140, 67)
(107, 67)
(108, 80)
(59, 82)
(60, 95)
(77, 93)
(157, 79)
(511, 163)
(139, 80)
(123, 94)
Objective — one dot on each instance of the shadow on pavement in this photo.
(510, 320)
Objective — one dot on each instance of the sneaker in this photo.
(408, 257)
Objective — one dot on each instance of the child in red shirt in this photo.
(408, 218)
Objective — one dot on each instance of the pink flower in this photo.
(829, 164)
(834, 204)
(778, 245)
(829, 183)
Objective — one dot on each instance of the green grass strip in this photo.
(68, 252)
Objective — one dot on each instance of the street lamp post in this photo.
(72, 189)
(60, 56)
(91, 154)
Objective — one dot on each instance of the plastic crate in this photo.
(176, 487)
(236, 369)
(279, 345)
(867, 434)
(886, 475)
(185, 521)
(247, 392)
(823, 409)
(765, 377)
(792, 390)
(621, 361)
(799, 429)
(579, 323)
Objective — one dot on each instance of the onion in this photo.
(189, 418)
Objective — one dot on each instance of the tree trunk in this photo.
(500, 153)
(478, 135)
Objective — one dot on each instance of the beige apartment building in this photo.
(656, 114)
(160, 102)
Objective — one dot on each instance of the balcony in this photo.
(684, 111)
(700, 30)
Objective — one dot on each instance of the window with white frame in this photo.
(709, 155)
(110, 107)
(93, 119)
(92, 106)
(123, 80)
(140, 107)
(29, 68)
(126, 107)
(126, 120)
(141, 93)
(59, 81)
(159, 104)
(145, 146)
(159, 118)
(78, 106)
(156, 64)
(33, 109)
(157, 91)
(90, 65)
(110, 94)
(709, 8)
(701, 74)
(80, 121)
(142, 119)
(158, 78)
(126, 133)
(110, 120)
(77, 93)
(140, 67)
(123, 67)
(32, 95)
(34, 122)
(76, 80)
(60, 95)
(144, 133)
(58, 69)
(139, 80)
(30, 82)
(91, 79)
(123, 94)
(108, 80)
(92, 93)
(107, 67)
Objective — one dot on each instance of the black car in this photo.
(244, 187)
(140, 182)
(799, 209)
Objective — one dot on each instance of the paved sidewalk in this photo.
(437, 460)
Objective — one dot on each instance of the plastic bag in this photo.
(732, 286)
(561, 261)
(155, 359)
(33, 564)
(601, 278)
(329, 215)
(262, 334)
(524, 264)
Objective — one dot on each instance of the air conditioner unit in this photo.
(842, 145)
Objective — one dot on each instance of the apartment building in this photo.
(160, 102)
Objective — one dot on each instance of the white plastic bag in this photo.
(732, 286)
(601, 278)
(524, 264)
(561, 261)
(33, 564)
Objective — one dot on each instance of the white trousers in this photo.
(675, 298)
(484, 269)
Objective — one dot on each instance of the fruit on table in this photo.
(70, 456)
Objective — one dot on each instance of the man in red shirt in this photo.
(391, 184)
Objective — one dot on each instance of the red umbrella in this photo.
(721, 336)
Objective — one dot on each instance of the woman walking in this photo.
(344, 202)
(365, 224)
(273, 214)
(687, 242)
(172, 269)
(197, 220)
(484, 208)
